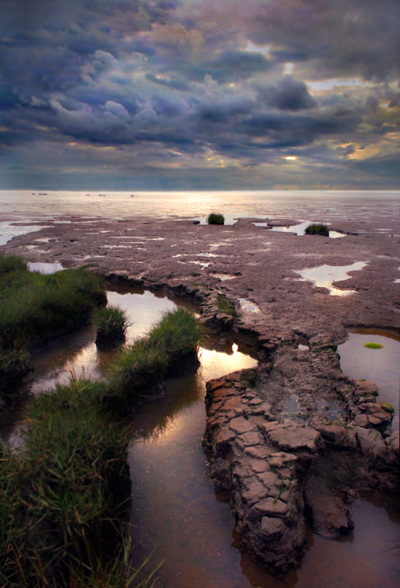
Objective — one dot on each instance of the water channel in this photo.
(175, 509)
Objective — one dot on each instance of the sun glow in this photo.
(290, 157)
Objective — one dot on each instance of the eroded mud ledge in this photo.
(277, 461)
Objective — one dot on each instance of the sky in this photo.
(199, 94)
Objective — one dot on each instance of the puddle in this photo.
(45, 268)
(291, 405)
(223, 277)
(198, 255)
(324, 276)
(381, 366)
(174, 505)
(303, 343)
(202, 264)
(8, 231)
(331, 409)
(248, 306)
(299, 229)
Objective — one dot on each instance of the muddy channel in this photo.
(176, 510)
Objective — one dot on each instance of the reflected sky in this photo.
(324, 276)
(381, 366)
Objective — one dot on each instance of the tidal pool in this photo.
(381, 366)
(324, 276)
(175, 509)
(300, 229)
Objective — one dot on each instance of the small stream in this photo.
(175, 509)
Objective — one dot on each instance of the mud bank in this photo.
(280, 468)
(298, 437)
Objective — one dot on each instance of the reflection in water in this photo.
(381, 366)
(174, 505)
(45, 268)
(324, 276)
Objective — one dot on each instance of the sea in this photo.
(313, 205)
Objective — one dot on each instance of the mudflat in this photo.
(276, 459)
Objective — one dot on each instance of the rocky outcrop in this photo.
(257, 459)
(281, 468)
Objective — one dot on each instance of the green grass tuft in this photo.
(373, 345)
(317, 229)
(111, 323)
(215, 219)
(152, 357)
(12, 263)
(61, 491)
(36, 308)
(225, 305)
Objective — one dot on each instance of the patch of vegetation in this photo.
(12, 263)
(388, 407)
(317, 229)
(215, 219)
(61, 492)
(14, 363)
(111, 323)
(373, 345)
(152, 357)
(225, 305)
(35, 308)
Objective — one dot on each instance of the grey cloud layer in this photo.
(176, 81)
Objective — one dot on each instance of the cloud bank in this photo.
(145, 94)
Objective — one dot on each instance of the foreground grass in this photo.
(65, 490)
(317, 229)
(62, 491)
(35, 308)
(152, 357)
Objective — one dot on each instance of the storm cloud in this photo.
(195, 89)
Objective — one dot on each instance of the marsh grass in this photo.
(11, 263)
(14, 363)
(62, 493)
(36, 308)
(317, 229)
(111, 324)
(152, 357)
(215, 219)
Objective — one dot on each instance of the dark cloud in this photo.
(183, 83)
(288, 94)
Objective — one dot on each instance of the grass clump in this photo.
(215, 219)
(111, 323)
(317, 229)
(35, 308)
(225, 305)
(373, 345)
(152, 357)
(61, 491)
(12, 263)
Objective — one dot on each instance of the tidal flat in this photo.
(336, 418)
